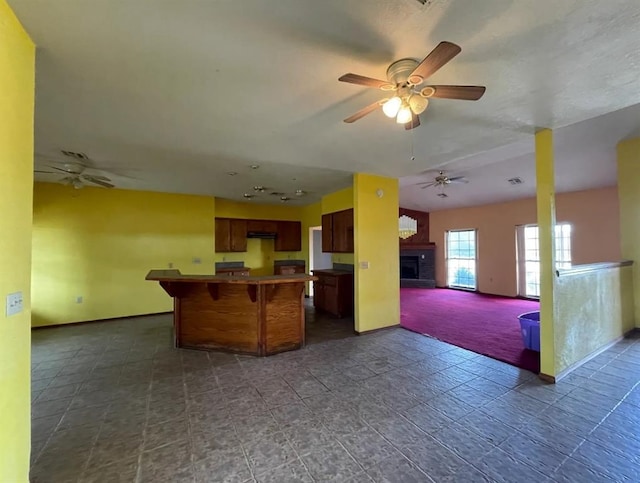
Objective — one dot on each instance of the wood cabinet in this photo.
(337, 232)
(231, 235)
(262, 226)
(288, 237)
(333, 292)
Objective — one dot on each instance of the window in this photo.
(461, 259)
(529, 256)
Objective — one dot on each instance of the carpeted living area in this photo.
(485, 324)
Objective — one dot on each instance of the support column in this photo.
(376, 252)
(546, 204)
(629, 198)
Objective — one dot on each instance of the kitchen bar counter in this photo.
(248, 315)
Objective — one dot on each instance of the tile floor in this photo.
(114, 402)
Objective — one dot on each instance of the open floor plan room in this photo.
(393, 406)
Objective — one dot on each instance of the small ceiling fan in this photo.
(76, 177)
(403, 78)
(442, 180)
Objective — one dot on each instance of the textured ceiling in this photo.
(175, 93)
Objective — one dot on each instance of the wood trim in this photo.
(110, 319)
(547, 378)
(262, 317)
(177, 341)
(365, 332)
(592, 267)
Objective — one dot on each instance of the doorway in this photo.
(318, 259)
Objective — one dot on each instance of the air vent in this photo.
(443, 195)
(73, 154)
(515, 180)
(425, 2)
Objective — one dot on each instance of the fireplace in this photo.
(418, 267)
(410, 267)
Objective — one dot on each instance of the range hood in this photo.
(261, 234)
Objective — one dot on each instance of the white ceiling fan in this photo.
(76, 176)
(442, 180)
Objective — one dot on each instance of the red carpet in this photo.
(484, 324)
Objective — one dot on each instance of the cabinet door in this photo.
(327, 232)
(331, 304)
(264, 226)
(343, 231)
(238, 236)
(288, 237)
(223, 235)
(318, 295)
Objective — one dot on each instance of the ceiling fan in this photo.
(442, 180)
(403, 78)
(76, 177)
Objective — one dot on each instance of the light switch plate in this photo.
(197, 260)
(14, 303)
(364, 265)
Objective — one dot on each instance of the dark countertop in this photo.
(330, 271)
(176, 276)
(285, 263)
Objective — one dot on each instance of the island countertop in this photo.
(176, 276)
(248, 315)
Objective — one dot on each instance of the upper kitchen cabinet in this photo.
(337, 232)
(231, 235)
(288, 236)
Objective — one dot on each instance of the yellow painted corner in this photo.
(17, 86)
(377, 288)
(545, 190)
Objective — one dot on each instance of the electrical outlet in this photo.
(196, 261)
(170, 264)
(14, 303)
(364, 265)
(79, 299)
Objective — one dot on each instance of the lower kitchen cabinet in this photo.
(333, 292)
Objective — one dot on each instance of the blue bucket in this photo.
(530, 330)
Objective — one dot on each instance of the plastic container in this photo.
(530, 329)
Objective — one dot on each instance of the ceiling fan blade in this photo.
(458, 179)
(94, 176)
(415, 122)
(39, 171)
(93, 179)
(465, 93)
(67, 171)
(429, 185)
(366, 81)
(443, 53)
(363, 112)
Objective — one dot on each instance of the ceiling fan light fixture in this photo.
(404, 114)
(392, 106)
(418, 103)
(76, 183)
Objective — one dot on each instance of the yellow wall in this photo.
(339, 201)
(629, 195)
(99, 244)
(260, 254)
(17, 57)
(377, 288)
(592, 310)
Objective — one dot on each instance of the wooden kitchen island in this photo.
(248, 315)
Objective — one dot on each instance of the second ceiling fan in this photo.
(403, 78)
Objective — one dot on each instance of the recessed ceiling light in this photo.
(232, 173)
(300, 193)
(248, 196)
(254, 166)
(259, 189)
(284, 199)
